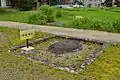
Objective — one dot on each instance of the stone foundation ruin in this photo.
(70, 54)
(65, 46)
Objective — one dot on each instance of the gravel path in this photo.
(78, 33)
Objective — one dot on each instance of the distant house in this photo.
(92, 3)
(86, 3)
(66, 1)
(110, 3)
(5, 3)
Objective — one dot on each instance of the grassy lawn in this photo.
(14, 16)
(106, 67)
(92, 12)
(103, 19)
(22, 16)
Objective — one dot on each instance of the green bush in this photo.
(24, 5)
(58, 14)
(45, 15)
(116, 25)
(37, 19)
(96, 24)
(80, 23)
(50, 18)
(45, 9)
(48, 11)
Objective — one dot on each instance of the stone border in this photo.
(91, 57)
(31, 43)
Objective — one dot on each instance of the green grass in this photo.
(93, 12)
(106, 67)
(102, 19)
(14, 15)
(104, 14)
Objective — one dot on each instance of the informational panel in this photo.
(26, 34)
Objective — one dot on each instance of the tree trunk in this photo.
(13, 2)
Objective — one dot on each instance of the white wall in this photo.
(94, 3)
(3, 3)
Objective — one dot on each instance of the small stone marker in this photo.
(65, 46)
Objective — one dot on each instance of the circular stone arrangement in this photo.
(65, 46)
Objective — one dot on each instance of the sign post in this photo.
(26, 34)
(27, 43)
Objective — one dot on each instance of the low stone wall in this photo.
(31, 43)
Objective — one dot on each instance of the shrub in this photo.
(116, 25)
(76, 22)
(45, 9)
(48, 11)
(80, 23)
(45, 15)
(24, 5)
(50, 18)
(58, 14)
(92, 23)
(38, 19)
(96, 24)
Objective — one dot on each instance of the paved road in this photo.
(78, 33)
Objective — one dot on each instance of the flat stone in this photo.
(67, 69)
(27, 49)
(65, 46)
(80, 69)
(61, 68)
(82, 66)
(72, 71)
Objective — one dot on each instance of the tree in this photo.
(25, 4)
(13, 2)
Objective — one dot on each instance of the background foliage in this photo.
(105, 19)
(44, 15)
(25, 5)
